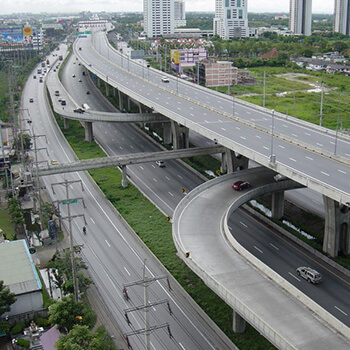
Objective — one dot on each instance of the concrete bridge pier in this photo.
(337, 228)
(180, 136)
(65, 123)
(232, 162)
(277, 205)
(89, 137)
(124, 177)
(107, 89)
(167, 135)
(238, 324)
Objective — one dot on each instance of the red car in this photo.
(240, 185)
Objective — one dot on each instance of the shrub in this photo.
(22, 342)
(42, 322)
(17, 328)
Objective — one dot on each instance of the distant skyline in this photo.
(74, 6)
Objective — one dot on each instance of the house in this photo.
(18, 272)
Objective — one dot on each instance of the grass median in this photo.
(151, 226)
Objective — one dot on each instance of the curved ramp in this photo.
(198, 226)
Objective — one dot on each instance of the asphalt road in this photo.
(114, 255)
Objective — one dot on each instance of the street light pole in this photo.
(272, 156)
(264, 89)
(321, 107)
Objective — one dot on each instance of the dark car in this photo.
(78, 110)
(88, 92)
(240, 185)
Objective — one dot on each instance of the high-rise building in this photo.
(300, 16)
(341, 22)
(231, 19)
(179, 13)
(158, 17)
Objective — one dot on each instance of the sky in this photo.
(70, 6)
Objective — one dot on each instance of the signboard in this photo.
(52, 229)
(11, 36)
(27, 35)
(6, 165)
(72, 201)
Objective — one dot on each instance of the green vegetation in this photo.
(23, 343)
(17, 328)
(151, 226)
(6, 224)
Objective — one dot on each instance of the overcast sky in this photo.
(60, 6)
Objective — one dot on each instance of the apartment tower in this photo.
(158, 17)
(231, 19)
(179, 13)
(300, 16)
(341, 22)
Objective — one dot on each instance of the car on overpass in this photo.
(240, 185)
(165, 80)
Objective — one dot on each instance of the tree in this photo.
(6, 300)
(67, 313)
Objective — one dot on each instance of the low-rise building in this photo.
(186, 58)
(217, 73)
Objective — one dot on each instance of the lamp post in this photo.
(321, 107)
(272, 155)
(264, 89)
(336, 137)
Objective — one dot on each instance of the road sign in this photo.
(6, 165)
(72, 201)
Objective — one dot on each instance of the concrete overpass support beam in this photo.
(232, 162)
(65, 123)
(180, 136)
(88, 132)
(337, 228)
(128, 99)
(238, 325)
(124, 177)
(107, 89)
(277, 205)
(167, 135)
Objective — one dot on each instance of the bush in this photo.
(24, 343)
(42, 322)
(17, 328)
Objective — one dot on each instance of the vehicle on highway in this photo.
(240, 185)
(160, 163)
(31, 100)
(57, 93)
(34, 76)
(40, 80)
(280, 177)
(80, 80)
(54, 162)
(311, 275)
(88, 92)
(63, 102)
(79, 110)
(73, 76)
(165, 80)
(85, 106)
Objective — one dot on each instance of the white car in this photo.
(54, 162)
(165, 80)
(309, 274)
(160, 163)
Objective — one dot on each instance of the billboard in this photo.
(11, 36)
(175, 60)
(27, 35)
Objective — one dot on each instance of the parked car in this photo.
(311, 275)
(240, 185)
(165, 80)
(160, 163)
(31, 100)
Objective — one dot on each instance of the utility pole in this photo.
(147, 330)
(321, 107)
(264, 82)
(68, 201)
(272, 155)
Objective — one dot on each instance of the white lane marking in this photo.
(141, 167)
(307, 134)
(93, 252)
(258, 137)
(243, 138)
(238, 128)
(243, 224)
(171, 194)
(344, 313)
(230, 228)
(280, 146)
(309, 158)
(120, 147)
(265, 147)
(347, 154)
(322, 172)
(259, 250)
(155, 180)
(127, 271)
(107, 243)
(223, 129)
(272, 245)
(179, 176)
(292, 159)
(319, 144)
(167, 178)
(182, 346)
(295, 135)
(92, 220)
(298, 279)
(285, 126)
(131, 146)
(342, 171)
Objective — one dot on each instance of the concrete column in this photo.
(128, 100)
(124, 177)
(232, 162)
(277, 205)
(89, 137)
(65, 123)
(180, 136)
(167, 135)
(238, 324)
(99, 82)
(120, 98)
(107, 89)
(337, 228)
(114, 93)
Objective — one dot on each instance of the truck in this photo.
(85, 106)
